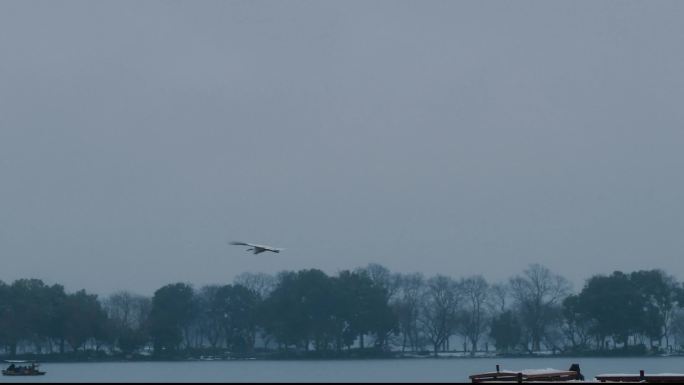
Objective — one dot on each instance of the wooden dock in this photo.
(659, 378)
(528, 375)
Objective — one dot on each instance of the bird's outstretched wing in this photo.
(257, 248)
(268, 248)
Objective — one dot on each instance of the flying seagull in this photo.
(256, 249)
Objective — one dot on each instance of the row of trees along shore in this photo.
(309, 313)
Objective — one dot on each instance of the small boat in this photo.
(16, 368)
(529, 375)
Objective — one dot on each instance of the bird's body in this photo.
(256, 249)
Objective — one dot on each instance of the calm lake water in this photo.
(395, 370)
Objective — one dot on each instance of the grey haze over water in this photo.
(458, 137)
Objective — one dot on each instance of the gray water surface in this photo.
(390, 370)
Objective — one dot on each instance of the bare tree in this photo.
(535, 294)
(677, 329)
(439, 310)
(381, 276)
(665, 301)
(260, 283)
(497, 297)
(411, 289)
(211, 318)
(127, 309)
(128, 314)
(475, 291)
(263, 284)
(576, 324)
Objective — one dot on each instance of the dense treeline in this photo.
(365, 310)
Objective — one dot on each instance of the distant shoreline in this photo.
(70, 358)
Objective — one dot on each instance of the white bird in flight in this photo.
(256, 249)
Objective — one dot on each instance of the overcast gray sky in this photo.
(137, 138)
